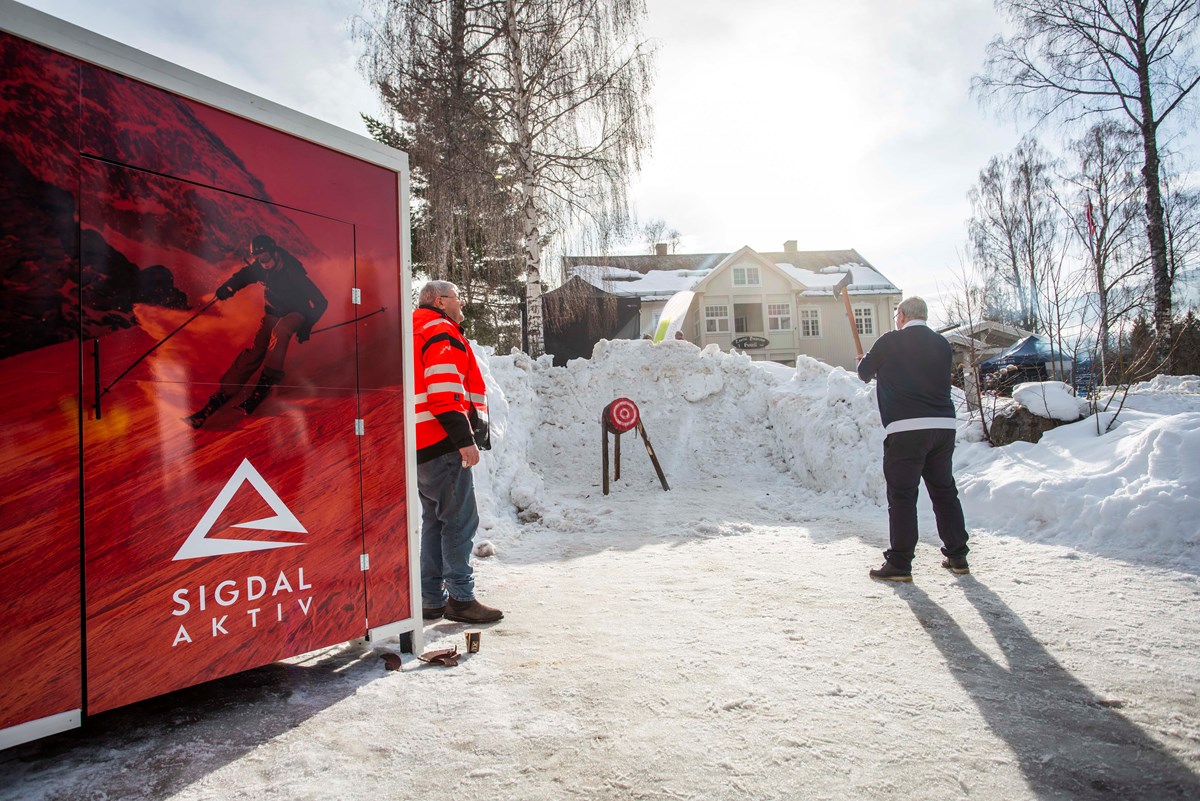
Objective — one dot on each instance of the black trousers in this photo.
(909, 457)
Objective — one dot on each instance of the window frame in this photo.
(786, 314)
(816, 319)
(865, 319)
(744, 268)
(717, 319)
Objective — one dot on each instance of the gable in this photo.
(724, 273)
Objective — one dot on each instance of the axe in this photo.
(840, 289)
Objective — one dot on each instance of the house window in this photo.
(864, 320)
(810, 323)
(779, 316)
(654, 318)
(716, 319)
(746, 276)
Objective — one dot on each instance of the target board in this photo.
(618, 417)
(623, 415)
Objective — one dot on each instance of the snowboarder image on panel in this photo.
(293, 306)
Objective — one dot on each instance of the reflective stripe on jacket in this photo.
(451, 399)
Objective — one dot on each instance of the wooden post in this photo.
(653, 459)
(604, 447)
(617, 456)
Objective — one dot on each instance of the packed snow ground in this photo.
(722, 640)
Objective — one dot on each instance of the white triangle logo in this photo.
(198, 542)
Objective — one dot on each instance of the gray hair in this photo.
(914, 308)
(434, 290)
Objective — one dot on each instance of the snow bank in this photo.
(712, 415)
(827, 427)
(702, 410)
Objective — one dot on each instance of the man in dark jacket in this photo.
(293, 306)
(912, 368)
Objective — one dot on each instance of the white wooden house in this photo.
(773, 306)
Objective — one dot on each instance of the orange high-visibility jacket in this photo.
(451, 399)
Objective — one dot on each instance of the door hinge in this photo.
(355, 295)
(364, 561)
(360, 426)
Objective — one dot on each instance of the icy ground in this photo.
(722, 640)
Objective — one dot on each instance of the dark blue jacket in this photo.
(911, 368)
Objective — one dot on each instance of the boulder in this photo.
(1018, 424)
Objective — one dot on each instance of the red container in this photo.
(140, 554)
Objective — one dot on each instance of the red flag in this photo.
(1090, 220)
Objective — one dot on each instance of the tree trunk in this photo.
(531, 233)
(533, 278)
(1155, 231)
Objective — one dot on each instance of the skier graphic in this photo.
(293, 306)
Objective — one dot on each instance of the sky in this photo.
(839, 125)
(721, 641)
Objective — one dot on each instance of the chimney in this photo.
(789, 246)
(660, 248)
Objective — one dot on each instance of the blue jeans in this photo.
(449, 518)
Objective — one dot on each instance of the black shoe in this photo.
(266, 381)
(215, 401)
(432, 612)
(889, 572)
(471, 612)
(956, 564)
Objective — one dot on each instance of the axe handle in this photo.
(853, 325)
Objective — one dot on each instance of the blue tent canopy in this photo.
(1028, 352)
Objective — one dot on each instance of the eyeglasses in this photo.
(451, 297)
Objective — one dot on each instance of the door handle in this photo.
(96, 374)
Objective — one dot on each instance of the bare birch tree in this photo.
(1103, 192)
(421, 58)
(657, 232)
(1181, 223)
(1014, 224)
(1077, 58)
(561, 89)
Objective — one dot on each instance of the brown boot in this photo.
(471, 612)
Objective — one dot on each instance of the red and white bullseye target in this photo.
(622, 414)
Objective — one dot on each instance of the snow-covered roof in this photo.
(984, 326)
(658, 277)
(864, 280)
(653, 285)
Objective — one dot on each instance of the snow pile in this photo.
(1052, 399)
(712, 415)
(827, 427)
(1130, 492)
(703, 411)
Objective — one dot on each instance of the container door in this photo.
(212, 548)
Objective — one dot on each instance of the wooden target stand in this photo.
(618, 417)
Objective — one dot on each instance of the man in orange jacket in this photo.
(452, 425)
